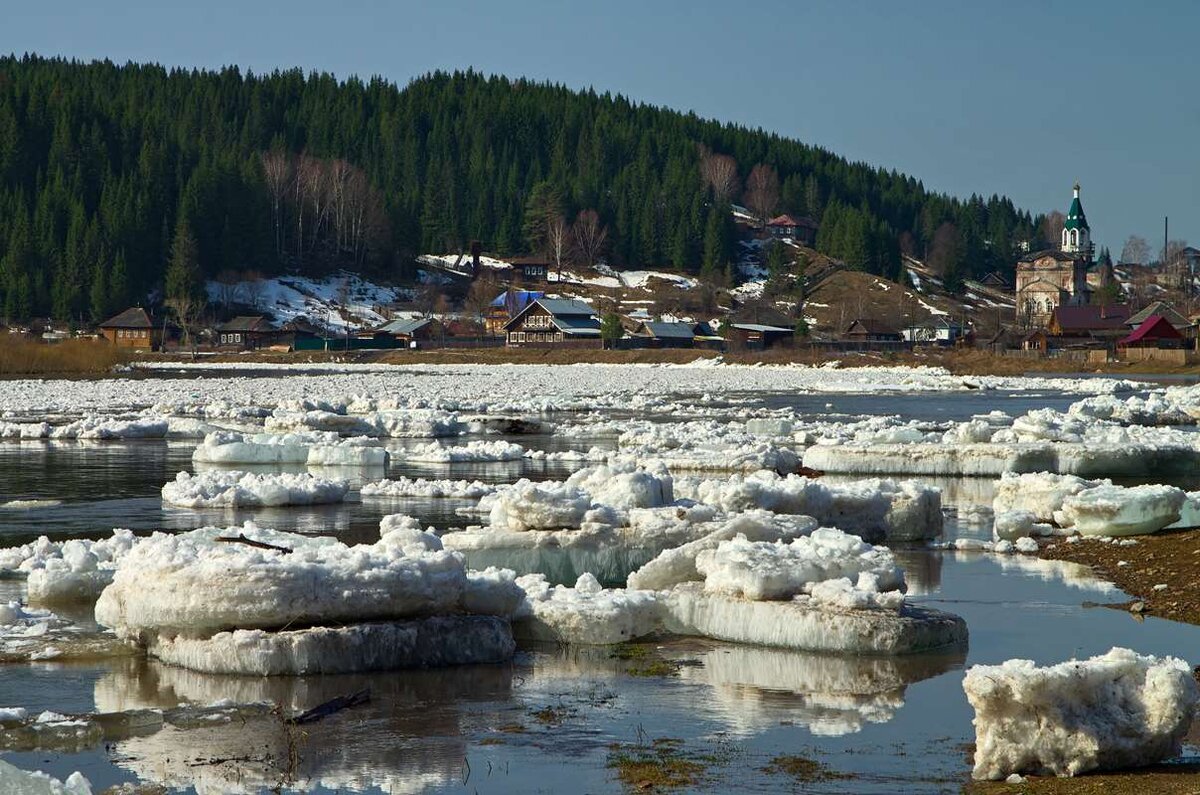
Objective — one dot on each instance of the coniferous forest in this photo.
(109, 172)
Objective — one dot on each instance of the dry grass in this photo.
(21, 355)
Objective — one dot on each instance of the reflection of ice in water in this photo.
(406, 739)
(922, 570)
(1076, 575)
(756, 688)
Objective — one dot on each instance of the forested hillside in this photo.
(109, 173)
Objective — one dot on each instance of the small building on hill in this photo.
(866, 329)
(799, 228)
(133, 328)
(244, 333)
(997, 281)
(1153, 332)
(554, 322)
(531, 270)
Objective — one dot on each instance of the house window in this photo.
(521, 336)
(558, 337)
(237, 337)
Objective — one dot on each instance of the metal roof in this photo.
(565, 306)
(760, 327)
(245, 323)
(669, 330)
(1160, 308)
(579, 326)
(405, 326)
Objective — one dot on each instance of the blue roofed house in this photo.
(554, 322)
(506, 306)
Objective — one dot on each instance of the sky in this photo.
(1010, 97)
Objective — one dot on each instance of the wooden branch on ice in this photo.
(331, 706)
(250, 542)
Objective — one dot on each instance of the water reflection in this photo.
(829, 695)
(408, 738)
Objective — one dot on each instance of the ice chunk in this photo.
(192, 585)
(876, 509)
(313, 448)
(1121, 511)
(762, 570)
(427, 489)
(1115, 710)
(66, 571)
(678, 564)
(584, 614)
(233, 489)
(527, 505)
(626, 486)
(375, 646)
(804, 624)
(472, 452)
(15, 780)
(1039, 494)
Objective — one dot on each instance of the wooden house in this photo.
(758, 336)
(866, 329)
(1182, 324)
(133, 328)
(1089, 322)
(938, 330)
(244, 333)
(531, 270)
(658, 334)
(506, 306)
(418, 332)
(554, 322)
(800, 229)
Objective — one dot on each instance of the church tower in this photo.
(1076, 234)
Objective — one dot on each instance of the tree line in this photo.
(101, 163)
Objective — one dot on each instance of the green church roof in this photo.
(1075, 217)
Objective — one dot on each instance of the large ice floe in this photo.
(823, 590)
(22, 782)
(1115, 710)
(1036, 503)
(313, 448)
(281, 603)
(234, 489)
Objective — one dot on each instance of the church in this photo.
(1050, 279)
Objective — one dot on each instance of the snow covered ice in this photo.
(234, 489)
(313, 448)
(1113, 711)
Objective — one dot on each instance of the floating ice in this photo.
(472, 452)
(190, 584)
(66, 571)
(313, 448)
(584, 614)
(373, 646)
(234, 489)
(15, 780)
(1115, 710)
(427, 489)
(1039, 494)
(876, 509)
(1123, 511)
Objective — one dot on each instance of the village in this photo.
(1064, 304)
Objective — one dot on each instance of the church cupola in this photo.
(1076, 234)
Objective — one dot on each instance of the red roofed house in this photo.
(802, 230)
(1089, 321)
(1154, 332)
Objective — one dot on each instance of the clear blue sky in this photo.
(1016, 98)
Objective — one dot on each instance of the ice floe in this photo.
(66, 571)
(313, 448)
(1115, 710)
(407, 488)
(234, 489)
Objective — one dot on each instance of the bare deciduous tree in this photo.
(719, 172)
(254, 287)
(558, 241)
(762, 191)
(229, 288)
(277, 172)
(589, 236)
(1135, 250)
(430, 299)
(479, 298)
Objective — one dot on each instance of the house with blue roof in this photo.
(554, 322)
(506, 306)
